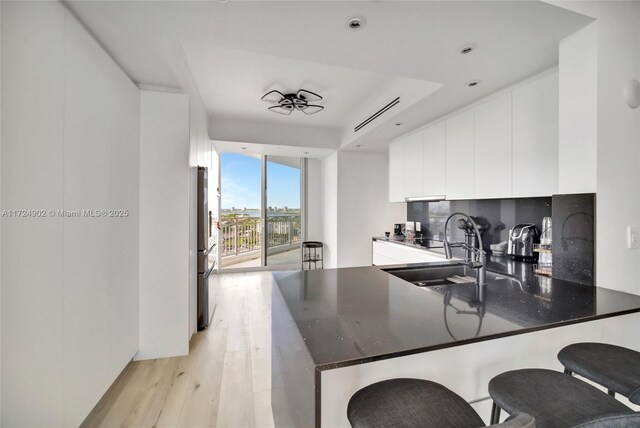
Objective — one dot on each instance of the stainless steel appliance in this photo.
(521, 240)
(206, 261)
(397, 232)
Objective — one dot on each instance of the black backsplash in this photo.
(573, 226)
(574, 234)
(499, 215)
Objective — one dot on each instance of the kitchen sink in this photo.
(431, 276)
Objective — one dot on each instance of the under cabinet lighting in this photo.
(432, 198)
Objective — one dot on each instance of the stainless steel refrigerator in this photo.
(206, 245)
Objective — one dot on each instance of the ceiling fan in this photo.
(286, 103)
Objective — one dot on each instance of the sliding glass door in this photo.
(283, 211)
(261, 211)
(241, 211)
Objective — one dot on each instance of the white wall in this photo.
(314, 200)
(618, 137)
(199, 155)
(363, 207)
(578, 114)
(69, 285)
(165, 225)
(355, 206)
(329, 170)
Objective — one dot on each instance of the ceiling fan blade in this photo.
(281, 110)
(308, 95)
(272, 96)
(312, 109)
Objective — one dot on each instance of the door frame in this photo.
(263, 217)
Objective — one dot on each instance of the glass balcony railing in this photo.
(244, 234)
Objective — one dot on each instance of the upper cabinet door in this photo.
(396, 172)
(535, 138)
(493, 148)
(460, 164)
(413, 168)
(433, 160)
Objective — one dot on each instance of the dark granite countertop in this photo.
(355, 315)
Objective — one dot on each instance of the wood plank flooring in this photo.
(225, 381)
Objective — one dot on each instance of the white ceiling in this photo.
(238, 50)
(231, 83)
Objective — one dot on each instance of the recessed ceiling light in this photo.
(358, 145)
(473, 83)
(356, 23)
(244, 148)
(468, 48)
(399, 124)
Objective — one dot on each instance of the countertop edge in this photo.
(357, 361)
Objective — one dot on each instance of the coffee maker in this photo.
(521, 240)
(398, 235)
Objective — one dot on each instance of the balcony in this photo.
(242, 241)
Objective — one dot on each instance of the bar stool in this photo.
(614, 367)
(312, 252)
(417, 403)
(557, 400)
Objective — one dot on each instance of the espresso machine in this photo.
(398, 234)
(521, 239)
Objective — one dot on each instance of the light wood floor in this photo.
(225, 381)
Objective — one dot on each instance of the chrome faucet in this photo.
(479, 258)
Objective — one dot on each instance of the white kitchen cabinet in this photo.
(389, 253)
(460, 163)
(396, 172)
(493, 177)
(535, 137)
(413, 167)
(434, 159)
(417, 255)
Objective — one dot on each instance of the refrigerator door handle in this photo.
(207, 273)
(206, 253)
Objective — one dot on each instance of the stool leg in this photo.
(567, 371)
(611, 393)
(495, 414)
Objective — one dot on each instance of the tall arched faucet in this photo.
(480, 262)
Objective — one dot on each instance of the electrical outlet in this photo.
(418, 227)
(633, 240)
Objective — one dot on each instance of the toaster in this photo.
(521, 240)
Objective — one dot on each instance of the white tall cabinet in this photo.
(433, 160)
(413, 167)
(417, 164)
(493, 177)
(460, 164)
(396, 171)
(505, 146)
(69, 282)
(535, 138)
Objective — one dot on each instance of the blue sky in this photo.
(241, 183)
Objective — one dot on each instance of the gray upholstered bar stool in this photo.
(557, 400)
(417, 403)
(614, 367)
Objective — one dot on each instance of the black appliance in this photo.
(206, 263)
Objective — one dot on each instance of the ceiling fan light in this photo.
(272, 96)
(281, 110)
(312, 109)
(308, 95)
